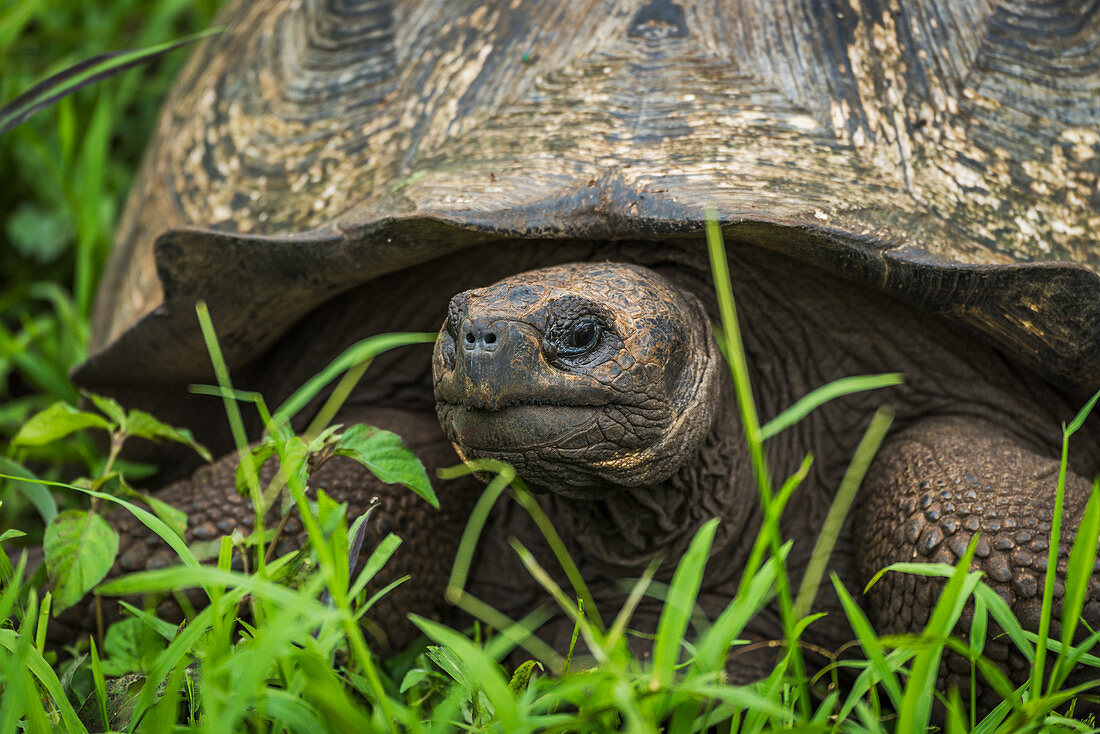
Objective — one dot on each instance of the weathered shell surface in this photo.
(946, 152)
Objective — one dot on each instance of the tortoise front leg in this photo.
(935, 485)
(214, 508)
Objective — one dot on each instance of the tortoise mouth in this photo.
(517, 426)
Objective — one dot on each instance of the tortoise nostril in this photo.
(490, 338)
(469, 337)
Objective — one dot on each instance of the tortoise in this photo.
(902, 187)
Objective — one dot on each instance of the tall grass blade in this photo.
(679, 604)
(35, 493)
(622, 619)
(1038, 670)
(464, 556)
(871, 647)
(356, 354)
(841, 504)
(1038, 667)
(750, 423)
(816, 398)
(99, 686)
(480, 667)
(916, 703)
(80, 75)
(29, 659)
(561, 553)
(1082, 560)
(591, 636)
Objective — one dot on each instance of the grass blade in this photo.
(871, 646)
(841, 504)
(679, 604)
(479, 666)
(816, 398)
(1082, 559)
(916, 702)
(356, 354)
(80, 75)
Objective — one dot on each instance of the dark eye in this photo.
(581, 337)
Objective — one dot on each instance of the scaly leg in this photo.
(936, 485)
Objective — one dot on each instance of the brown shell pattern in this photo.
(961, 131)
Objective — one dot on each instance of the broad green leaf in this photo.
(141, 424)
(80, 549)
(129, 647)
(387, 457)
(57, 421)
(37, 233)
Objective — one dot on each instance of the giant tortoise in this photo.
(907, 186)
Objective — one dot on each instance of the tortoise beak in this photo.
(490, 360)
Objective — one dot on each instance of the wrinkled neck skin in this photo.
(620, 534)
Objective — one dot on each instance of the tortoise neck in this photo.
(620, 535)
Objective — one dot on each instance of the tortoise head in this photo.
(585, 377)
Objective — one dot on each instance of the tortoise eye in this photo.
(581, 337)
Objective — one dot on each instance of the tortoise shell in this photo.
(947, 153)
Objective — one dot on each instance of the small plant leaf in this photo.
(387, 457)
(294, 461)
(129, 647)
(143, 425)
(522, 676)
(80, 549)
(260, 455)
(450, 664)
(108, 407)
(39, 234)
(1082, 415)
(57, 421)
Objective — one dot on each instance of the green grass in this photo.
(282, 647)
(66, 173)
